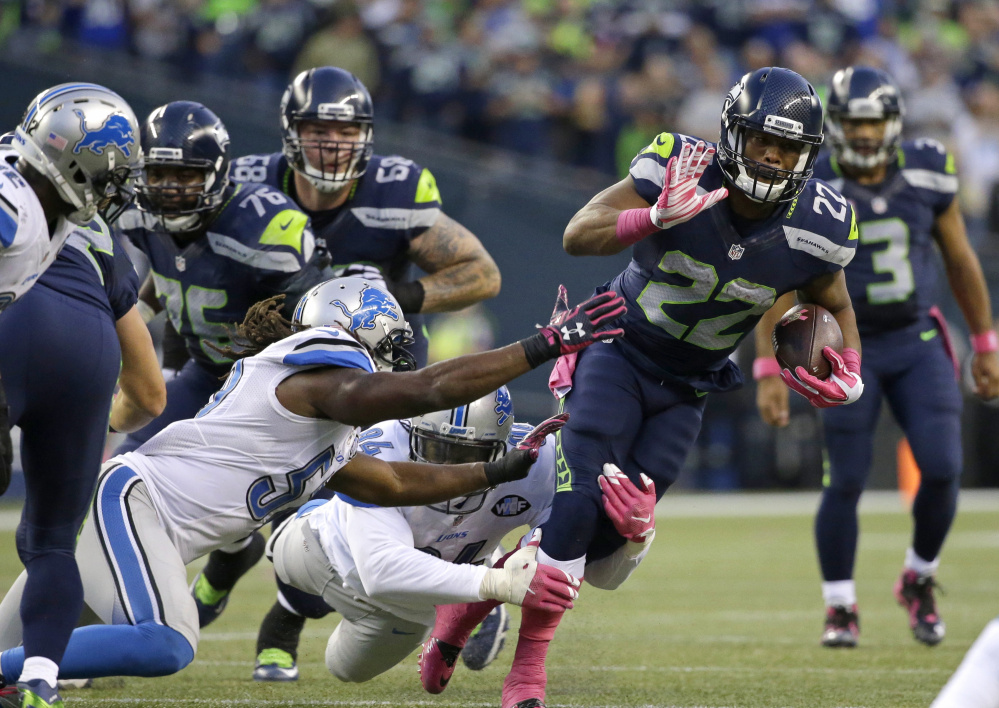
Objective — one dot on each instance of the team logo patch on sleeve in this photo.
(512, 505)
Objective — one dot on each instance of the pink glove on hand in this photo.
(679, 200)
(843, 385)
(631, 509)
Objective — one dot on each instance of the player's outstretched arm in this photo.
(592, 231)
(771, 393)
(143, 393)
(375, 481)
(358, 398)
(461, 271)
(967, 282)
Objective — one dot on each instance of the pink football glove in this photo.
(573, 329)
(533, 441)
(679, 200)
(630, 508)
(525, 582)
(843, 385)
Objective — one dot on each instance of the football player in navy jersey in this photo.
(66, 343)
(704, 269)
(905, 197)
(374, 216)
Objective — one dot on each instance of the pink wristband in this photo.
(633, 225)
(764, 367)
(985, 342)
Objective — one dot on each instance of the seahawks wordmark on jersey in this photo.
(217, 477)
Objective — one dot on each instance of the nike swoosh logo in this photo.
(928, 334)
(643, 519)
(396, 631)
(286, 225)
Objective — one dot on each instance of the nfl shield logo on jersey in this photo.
(735, 253)
(180, 263)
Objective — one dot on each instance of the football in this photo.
(800, 336)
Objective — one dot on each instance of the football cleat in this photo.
(842, 627)
(210, 602)
(10, 697)
(530, 703)
(437, 663)
(486, 644)
(275, 665)
(915, 594)
(38, 694)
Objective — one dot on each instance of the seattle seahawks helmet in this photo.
(475, 432)
(184, 134)
(364, 310)
(864, 93)
(328, 93)
(778, 102)
(83, 138)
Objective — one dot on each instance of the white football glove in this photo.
(367, 271)
(525, 582)
(679, 200)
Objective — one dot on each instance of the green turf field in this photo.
(726, 611)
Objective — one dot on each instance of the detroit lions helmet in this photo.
(475, 432)
(365, 311)
(184, 134)
(864, 93)
(328, 94)
(778, 102)
(83, 138)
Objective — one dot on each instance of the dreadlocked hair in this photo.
(263, 325)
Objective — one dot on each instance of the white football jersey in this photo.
(26, 249)
(464, 530)
(219, 476)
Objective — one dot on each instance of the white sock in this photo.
(38, 667)
(575, 567)
(975, 684)
(840, 592)
(922, 567)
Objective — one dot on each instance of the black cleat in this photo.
(842, 627)
(915, 594)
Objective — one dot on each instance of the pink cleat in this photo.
(437, 663)
(915, 594)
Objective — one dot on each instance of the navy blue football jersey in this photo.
(395, 201)
(392, 203)
(697, 289)
(893, 279)
(93, 267)
(253, 249)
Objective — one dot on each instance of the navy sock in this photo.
(933, 511)
(51, 604)
(224, 570)
(836, 530)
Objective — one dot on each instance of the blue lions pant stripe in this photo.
(133, 578)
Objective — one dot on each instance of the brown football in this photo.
(800, 336)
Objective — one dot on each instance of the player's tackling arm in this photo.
(461, 271)
(967, 282)
(143, 394)
(592, 231)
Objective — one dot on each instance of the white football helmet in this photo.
(475, 432)
(84, 139)
(364, 310)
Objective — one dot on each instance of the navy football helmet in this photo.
(778, 102)
(184, 134)
(864, 93)
(332, 94)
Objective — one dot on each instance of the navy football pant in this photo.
(187, 393)
(620, 414)
(916, 377)
(59, 361)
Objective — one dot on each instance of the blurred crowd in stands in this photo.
(586, 82)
